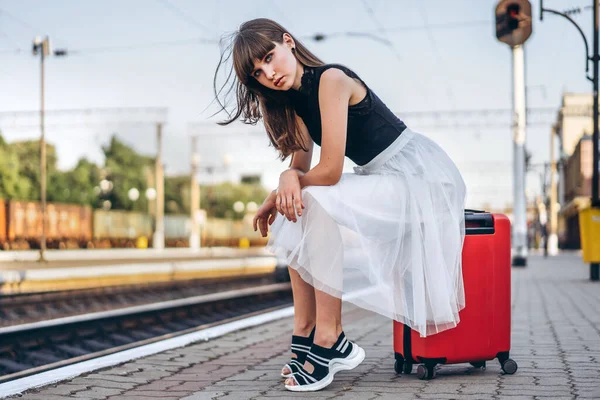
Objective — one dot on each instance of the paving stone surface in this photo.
(555, 341)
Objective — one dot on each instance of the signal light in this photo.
(513, 21)
(512, 16)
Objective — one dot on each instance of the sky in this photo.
(442, 57)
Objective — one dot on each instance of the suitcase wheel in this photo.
(426, 371)
(398, 366)
(509, 366)
(478, 364)
(402, 367)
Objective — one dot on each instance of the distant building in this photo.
(574, 127)
(578, 190)
(574, 120)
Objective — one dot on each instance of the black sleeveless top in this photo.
(372, 127)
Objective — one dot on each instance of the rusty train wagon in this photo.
(75, 226)
(67, 225)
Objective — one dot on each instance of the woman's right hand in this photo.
(265, 215)
(289, 197)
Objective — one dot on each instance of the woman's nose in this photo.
(270, 73)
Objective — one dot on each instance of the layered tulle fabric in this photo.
(389, 235)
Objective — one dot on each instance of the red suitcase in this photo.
(483, 332)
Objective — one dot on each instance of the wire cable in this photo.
(184, 16)
(436, 50)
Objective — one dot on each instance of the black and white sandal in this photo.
(300, 347)
(343, 355)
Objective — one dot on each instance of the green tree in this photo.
(218, 200)
(12, 184)
(177, 194)
(84, 178)
(28, 154)
(127, 169)
(75, 186)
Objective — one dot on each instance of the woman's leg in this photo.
(305, 314)
(329, 319)
(304, 309)
(329, 325)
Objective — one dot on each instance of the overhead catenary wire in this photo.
(381, 29)
(184, 16)
(23, 120)
(18, 20)
(24, 24)
(423, 12)
(193, 41)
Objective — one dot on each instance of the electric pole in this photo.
(42, 47)
(513, 27)
(195, 198)
(158, 239)
(595, 58)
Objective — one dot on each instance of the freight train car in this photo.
(75, 226)
(121, 228)
(214, 232)
(67, 225)
(177, 230)
(223, 232)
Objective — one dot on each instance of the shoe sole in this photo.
(287, 375)
(335, 365)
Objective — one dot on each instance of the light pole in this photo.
(195, 242)
(158, 239)
(513, 27)
(42, 47)
(195, 198)
(595, 58)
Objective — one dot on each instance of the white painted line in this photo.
(71, 371)
(109, 254)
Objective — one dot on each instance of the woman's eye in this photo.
(267, 59)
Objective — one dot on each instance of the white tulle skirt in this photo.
(389, 236)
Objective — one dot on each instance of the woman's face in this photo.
(278, 70)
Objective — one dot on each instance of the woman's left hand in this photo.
(289, 196)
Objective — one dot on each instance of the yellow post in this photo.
(589, 226)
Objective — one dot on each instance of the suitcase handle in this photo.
(479, 223)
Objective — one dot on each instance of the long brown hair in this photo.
(252, 42)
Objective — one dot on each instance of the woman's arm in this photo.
(301, 159)
(289, 197)
(334, 96)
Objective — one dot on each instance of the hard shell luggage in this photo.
(483, 332)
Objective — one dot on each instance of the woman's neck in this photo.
(300, 68)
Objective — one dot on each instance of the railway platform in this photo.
(555, 341)
(22, 272)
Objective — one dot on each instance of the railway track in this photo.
(28, 308)
(32, 348)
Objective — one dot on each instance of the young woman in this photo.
(389, 236)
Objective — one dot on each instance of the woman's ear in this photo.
(288, 41)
